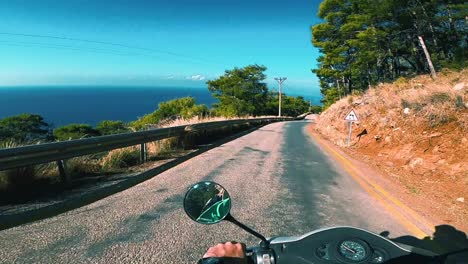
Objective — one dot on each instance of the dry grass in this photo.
(168, 145)
(114, 161)
(197, 120)
(83, 166)
(162, 147)
(120, 158)
(430, 104)
(18, 177)
(416, 129)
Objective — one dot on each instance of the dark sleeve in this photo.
(223, 261)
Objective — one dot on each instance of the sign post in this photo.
(351, 117)
(350, 126)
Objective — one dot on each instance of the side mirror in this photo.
(207, 203)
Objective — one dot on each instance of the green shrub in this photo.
(405, 104)
(445, 71)
(148, 119)
(437, 98)
(417, 106)
(75, 131)
(401, 82)
(185, 107)
(315, 109)
(454, 81)
(413, 105)
(24, 128)
(459, 103)
(439, 120)
(357, 92)
(109, 127)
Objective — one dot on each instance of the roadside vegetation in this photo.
(367, 42)
(415, 131)
(241, 93)
(412, 126)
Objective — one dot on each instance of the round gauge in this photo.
(353, 250)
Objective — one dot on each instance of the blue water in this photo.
(90, 105)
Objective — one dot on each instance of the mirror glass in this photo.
(207, 202)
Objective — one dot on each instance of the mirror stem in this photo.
(265, 243)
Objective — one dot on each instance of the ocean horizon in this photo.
(62, 105)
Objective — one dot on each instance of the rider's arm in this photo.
(225, 253)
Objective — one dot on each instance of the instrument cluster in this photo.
(351, 250)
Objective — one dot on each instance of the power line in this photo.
(64, 47)
(106, 43)
(72, 48)
(81, 49)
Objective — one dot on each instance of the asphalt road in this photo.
(280, 183)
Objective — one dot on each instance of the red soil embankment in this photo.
(416, 136)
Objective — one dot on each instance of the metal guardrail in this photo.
(58, 151)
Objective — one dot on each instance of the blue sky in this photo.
(157, 43)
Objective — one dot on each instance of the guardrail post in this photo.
(64, 177)
(143, 153)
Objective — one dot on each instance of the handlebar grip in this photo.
(250, 255)
(224, 260)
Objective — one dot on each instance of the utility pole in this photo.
(428, 57)
(280, 82)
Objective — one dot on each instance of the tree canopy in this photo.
(240, 91)
(290, 105)
(364, 42)
(243, 92)
(24, 128)
(294, 106)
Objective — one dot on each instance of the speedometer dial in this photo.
(353, 250)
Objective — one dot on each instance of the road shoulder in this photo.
(390, 195)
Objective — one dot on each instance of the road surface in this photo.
(280, 183)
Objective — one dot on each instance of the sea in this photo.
(62, 105)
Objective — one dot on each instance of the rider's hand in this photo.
(225, 253)
(229, 249)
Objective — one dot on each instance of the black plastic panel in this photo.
(310, 248)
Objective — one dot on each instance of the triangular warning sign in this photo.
(351, 116)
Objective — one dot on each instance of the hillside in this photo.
(416, 136)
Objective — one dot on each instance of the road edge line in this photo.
(377, 192)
